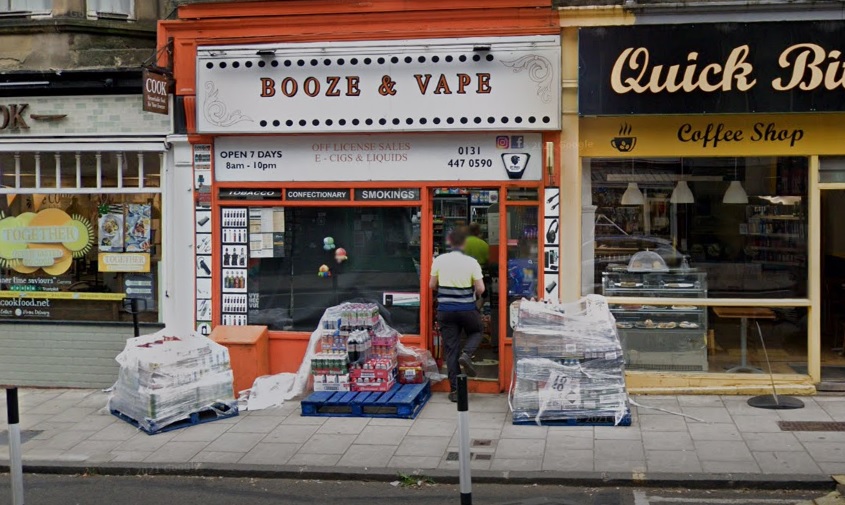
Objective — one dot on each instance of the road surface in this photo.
(145, 490)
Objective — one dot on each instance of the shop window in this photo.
(697, 338)
(523, 194)
(120, 9)
(307, 272)
(80, 233)
(25, 7)
(715, 227)
(832, 170)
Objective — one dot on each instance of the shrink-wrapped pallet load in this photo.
(167, 379)
(569, 367)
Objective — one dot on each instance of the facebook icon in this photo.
(517, 142)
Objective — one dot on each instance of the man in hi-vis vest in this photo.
(459, 282)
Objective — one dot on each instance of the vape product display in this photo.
(234, 236)
(234, 280)
(234, 320)
(203, 266)
(551, 259)
(552, 226)
(235, 218)
(234, 303)
(202, 236)
(234, 256)
(552, 236)
(568, 362)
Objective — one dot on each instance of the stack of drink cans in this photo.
(357, 350)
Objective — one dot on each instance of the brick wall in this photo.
(62, 355)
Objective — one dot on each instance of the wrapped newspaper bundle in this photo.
(164, 379)
(568, 364)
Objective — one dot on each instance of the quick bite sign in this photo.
(724, 68)
(808, 67)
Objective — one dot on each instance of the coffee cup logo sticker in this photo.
(625, 142)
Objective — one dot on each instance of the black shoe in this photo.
(466, 364)
(453, 397)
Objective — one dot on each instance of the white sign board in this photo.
(561, 392)
(508, 83)
(436, 157)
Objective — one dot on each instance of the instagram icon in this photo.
(503, 142)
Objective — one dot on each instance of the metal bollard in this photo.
(15, 464)
(463, 441)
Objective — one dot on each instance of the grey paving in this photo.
(719, 435)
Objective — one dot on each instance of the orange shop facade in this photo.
(330, 168)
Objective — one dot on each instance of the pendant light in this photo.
(633, 195)
(682, 193)
(735, 193)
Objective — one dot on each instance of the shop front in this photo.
(700, 199)
(329, 171)
(81, 233)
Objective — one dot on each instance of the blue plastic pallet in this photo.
(578, 421)
(403, 401)
(219, 411)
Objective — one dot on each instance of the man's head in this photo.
(458, 238)
(475, 229)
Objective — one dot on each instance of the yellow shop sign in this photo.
(49, 240)
(123, 262)
(713, 135)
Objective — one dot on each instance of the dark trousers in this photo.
(451, 324)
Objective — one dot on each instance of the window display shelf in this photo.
(661, 337)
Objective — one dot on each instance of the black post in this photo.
(134, 304)
(15, 455)
(12, 410)
(465, 478)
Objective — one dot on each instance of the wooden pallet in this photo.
(403, 401)
(580, 421)
(217, 411)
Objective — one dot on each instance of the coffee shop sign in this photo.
(808, 67)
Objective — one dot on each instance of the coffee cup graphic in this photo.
(625, 142)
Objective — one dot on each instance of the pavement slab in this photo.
(730, 439)
(672, 461)
(367, 456)
(270, 454)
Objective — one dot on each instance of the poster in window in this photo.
(266, 232)
(110, 228)
(138, 227)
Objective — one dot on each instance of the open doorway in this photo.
(833, 291)
(475, 209)
(507, 220)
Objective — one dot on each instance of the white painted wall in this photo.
(178, 296)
